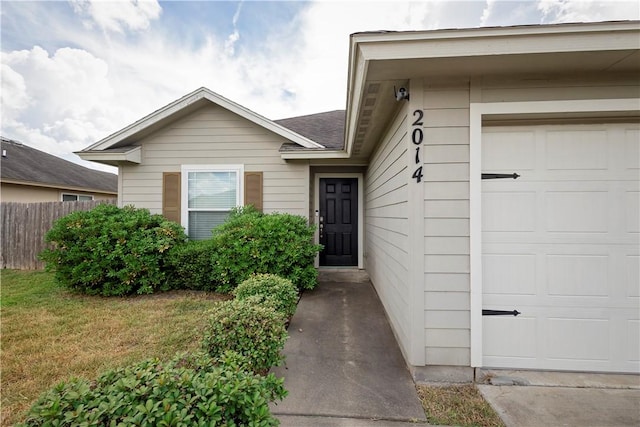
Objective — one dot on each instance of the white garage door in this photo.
(561, 244)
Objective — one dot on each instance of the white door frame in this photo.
(316, 210)
(476, 113)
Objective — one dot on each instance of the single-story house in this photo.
(28, 175)
(481, 173)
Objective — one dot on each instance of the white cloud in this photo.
(113, 15)
(65, 99)
(556, 11)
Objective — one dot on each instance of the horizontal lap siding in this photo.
(214, 136)
(446, 225)
(386, 226)
(603, 86)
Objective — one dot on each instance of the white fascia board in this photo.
(110, 158)
(478, 45)
(304, 155)
(358, 67)
(202, 93)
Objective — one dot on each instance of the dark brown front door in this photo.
(339, 221)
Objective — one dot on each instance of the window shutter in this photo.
(253, 189)
(171, 196)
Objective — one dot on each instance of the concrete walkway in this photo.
(564, 399)
(343, 365)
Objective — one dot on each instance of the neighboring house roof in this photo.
(26, 165)
(325, 128)
(102, 151)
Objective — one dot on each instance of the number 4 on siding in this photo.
(417, 174)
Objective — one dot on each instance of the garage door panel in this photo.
(569, 261)
(511, 211)
(632, 268)
(578, 339)
(563, 146)
(577, 211)
(632, 149)
(509, 274)
(632, 213)
(578, 275)
(505, 150)
(633, 341)
(510, 342)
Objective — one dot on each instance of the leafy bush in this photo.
(190, 390)
(254, 331)
(251, 242)
(280, 292)
(112, 251)
(190, 266)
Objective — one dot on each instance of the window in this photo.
(67, 197)
(208, 195)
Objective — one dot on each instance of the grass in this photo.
(459, 405)
(49, 334)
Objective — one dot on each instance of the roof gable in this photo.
(29, 165)
(184, 106)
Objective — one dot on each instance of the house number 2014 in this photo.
(417, 136)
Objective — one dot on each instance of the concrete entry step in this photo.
(342, 274)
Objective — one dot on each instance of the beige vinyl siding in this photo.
(215, 136)
(31, 194)
(603, 86)
(446, 224)
(386, 226)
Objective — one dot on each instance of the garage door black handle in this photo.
(500, 313)
(500, 175)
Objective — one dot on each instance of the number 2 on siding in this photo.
(418, 121)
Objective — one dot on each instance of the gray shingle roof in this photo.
(324, 128)
(24, 163)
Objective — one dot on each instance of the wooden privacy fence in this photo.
(24, 226)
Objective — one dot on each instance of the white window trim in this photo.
(184, 190)
(476, 113)
(77, 196)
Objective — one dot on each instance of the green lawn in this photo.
(49, 334)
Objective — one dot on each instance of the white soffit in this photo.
(379, 57)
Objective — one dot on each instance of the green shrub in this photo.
(190, 390)
(250, 242)
(190, 266)
(254, 331)
(281, 292)
(112, 251)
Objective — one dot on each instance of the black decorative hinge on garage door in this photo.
(500, 175)
(500, 313)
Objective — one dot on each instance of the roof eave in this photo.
(166, 112)
(57, 186)
(368, 49)
(133, 156)
(307, 155)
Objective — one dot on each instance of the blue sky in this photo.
(76, 71)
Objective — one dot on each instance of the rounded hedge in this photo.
(256, 332)
(190, 390)
(250, 242)
(281, 292)
(112, 251)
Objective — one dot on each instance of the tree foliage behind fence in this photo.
(24, 226)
